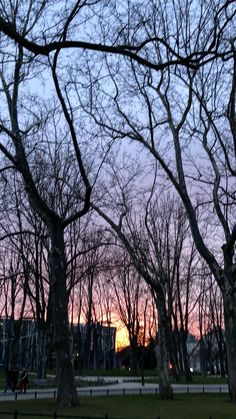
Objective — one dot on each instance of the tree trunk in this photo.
(15, 351)
(187, 372)
(41, 352)
(179, 350)
(222, 362)
(163, 361)
(134, 356)
(87, 345)
(66, 387)
(230, 335)
(172, 348)
(80, 351)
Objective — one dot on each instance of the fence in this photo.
(117, 391)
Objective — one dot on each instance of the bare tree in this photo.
(181, 117)
(86, 263)
(146, 257)
(23, 234)
(104, 304)
(213, 350)
(14, 272)
(136, 31)
(38, 289)
(164, 42)
(51, 201)
(168, 230)
(130, 301)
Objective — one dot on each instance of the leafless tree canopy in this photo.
(159, 77)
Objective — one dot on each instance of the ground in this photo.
(191, 406)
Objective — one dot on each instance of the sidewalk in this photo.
(121, 388)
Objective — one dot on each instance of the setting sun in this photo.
(122, 339)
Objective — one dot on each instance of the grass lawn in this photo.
(191, 406)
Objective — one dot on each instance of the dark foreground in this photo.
(185, 406)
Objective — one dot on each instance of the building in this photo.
(17, 342)
(93, 345)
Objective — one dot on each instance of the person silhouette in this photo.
(23, 381)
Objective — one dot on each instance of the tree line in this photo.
(105, 286)
(85, 85)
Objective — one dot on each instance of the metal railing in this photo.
(113, 391)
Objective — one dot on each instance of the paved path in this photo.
(120, 388)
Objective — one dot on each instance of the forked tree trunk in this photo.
(163, 360)
(66, 387)
(230, 337)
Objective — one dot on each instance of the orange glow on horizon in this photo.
(122, 338)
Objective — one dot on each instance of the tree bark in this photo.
(163, 361)
(187, 372)
(134, 356)
(230, 335)
(66, 388)
(223, 358)
(41, 352)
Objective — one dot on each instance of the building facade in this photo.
(92, 346)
